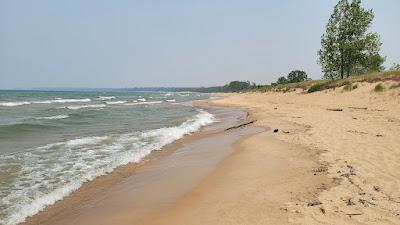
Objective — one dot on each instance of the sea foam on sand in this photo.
(53, 171)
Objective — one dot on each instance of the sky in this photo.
(128, 43)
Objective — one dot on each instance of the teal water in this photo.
(51, 142)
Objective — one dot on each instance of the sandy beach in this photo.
(334, 160)
(320, 167)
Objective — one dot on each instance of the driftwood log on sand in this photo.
(240, 125)
(334, 109)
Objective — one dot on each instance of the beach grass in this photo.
(348, 84)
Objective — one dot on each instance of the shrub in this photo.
(317, 87)
(379, 88)
(347, 87)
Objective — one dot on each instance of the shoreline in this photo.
(85, 197)
(316, 169)
(253, 185)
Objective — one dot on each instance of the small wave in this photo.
(170, 100)
(144, 103)
(115, 102)
(14, 103)
(75, 107)
(58, 100)
(17, 129)
(106, 97)
(77, 161)
(142, 99)
(85, 141)
(52, 117)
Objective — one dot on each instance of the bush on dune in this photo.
(317, 87)
(379, 88)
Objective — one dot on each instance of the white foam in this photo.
(52, 117)
(14, 103)
(169, 134)
(75, 107)
(85, 141)
(51, 172)
(215, 97)
(115, 102)
(170, 100)
(58, 100)
(142, 99)
(144, 103)
(106, 97)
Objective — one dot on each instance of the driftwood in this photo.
(351, 107)
(353, 214)
(240, 125)
(314, 203)
(335, 109)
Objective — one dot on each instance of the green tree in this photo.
(395, 67)
(282, 80)
(297, 76)
(236, 86)
(347, 48)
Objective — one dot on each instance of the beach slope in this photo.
(334, 160)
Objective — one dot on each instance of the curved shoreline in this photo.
(91, 192)
(256, 184)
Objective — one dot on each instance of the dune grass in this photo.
(348, 84)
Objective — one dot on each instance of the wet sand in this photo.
(136, 193)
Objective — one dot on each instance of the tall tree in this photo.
(347, 48)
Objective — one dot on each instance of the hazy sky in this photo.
(130, 43)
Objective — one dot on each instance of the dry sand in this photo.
(322, 167)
